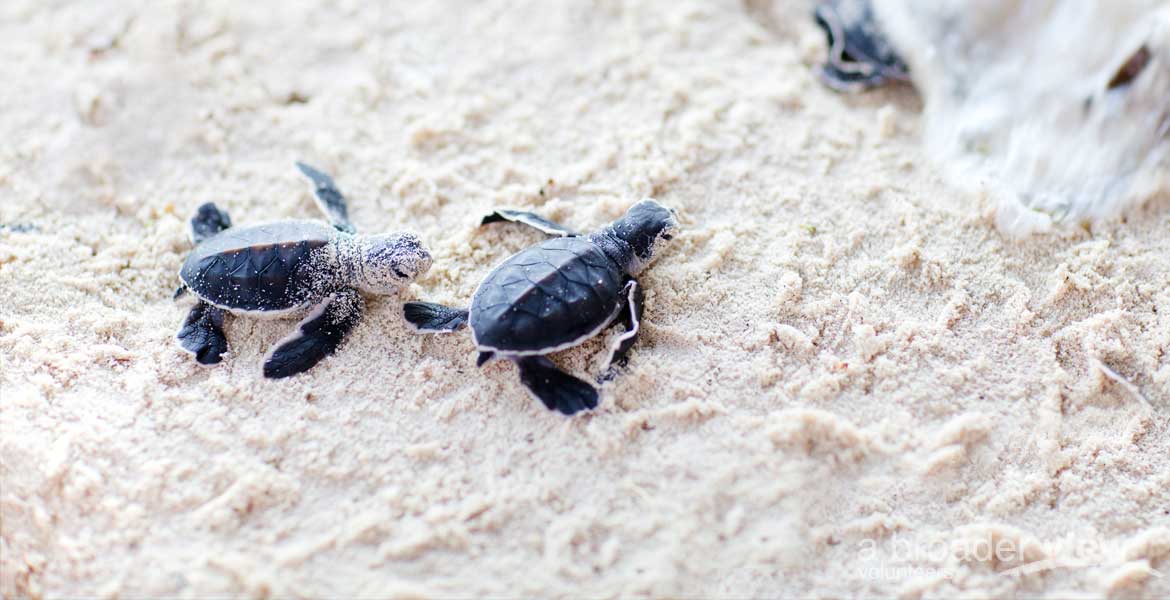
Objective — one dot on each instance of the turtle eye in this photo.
(667, 236)
(400, 274)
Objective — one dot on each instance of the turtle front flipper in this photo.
(329, 198)
(208, 221)
(860, 56)
(202, 334)
(530, 219)
(428, 317)
(631, 316)
(557, 389)
(316, 337)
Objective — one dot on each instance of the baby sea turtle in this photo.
(555, 295)
(860, 56)
(285, 267)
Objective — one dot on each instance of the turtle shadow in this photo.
(899, 94)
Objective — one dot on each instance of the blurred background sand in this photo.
(844, 366)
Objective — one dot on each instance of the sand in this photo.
(849, 381)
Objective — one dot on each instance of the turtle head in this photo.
(644, 228)
(390, 262)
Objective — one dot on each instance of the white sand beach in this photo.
(849, 381)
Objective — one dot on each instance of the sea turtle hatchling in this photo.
(860, 56)
(286, 267)
(555, 295)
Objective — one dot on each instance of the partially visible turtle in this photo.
(286, 267)
(860, 56)
(555, 295)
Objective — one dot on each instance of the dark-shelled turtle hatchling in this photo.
(555, 295)
(287, 267)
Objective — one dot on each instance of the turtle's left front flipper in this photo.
(202, 334)
(329, 198)
(530, 219)
(317, 336)
(428, 317)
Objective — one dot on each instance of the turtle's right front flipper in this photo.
(427, 317)
(208, 221)
(530, 219)
(557, 389)
(202, 334)
(631, 317)
(317, 336)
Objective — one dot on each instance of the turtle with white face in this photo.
(555, 295)
(860, 55)
(286, 268)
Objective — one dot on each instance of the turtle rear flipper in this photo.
(208, 221)
(428, 317)
(316, 337)
(202, 334)
(557, 389)
(329, 198)
(530, 219)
